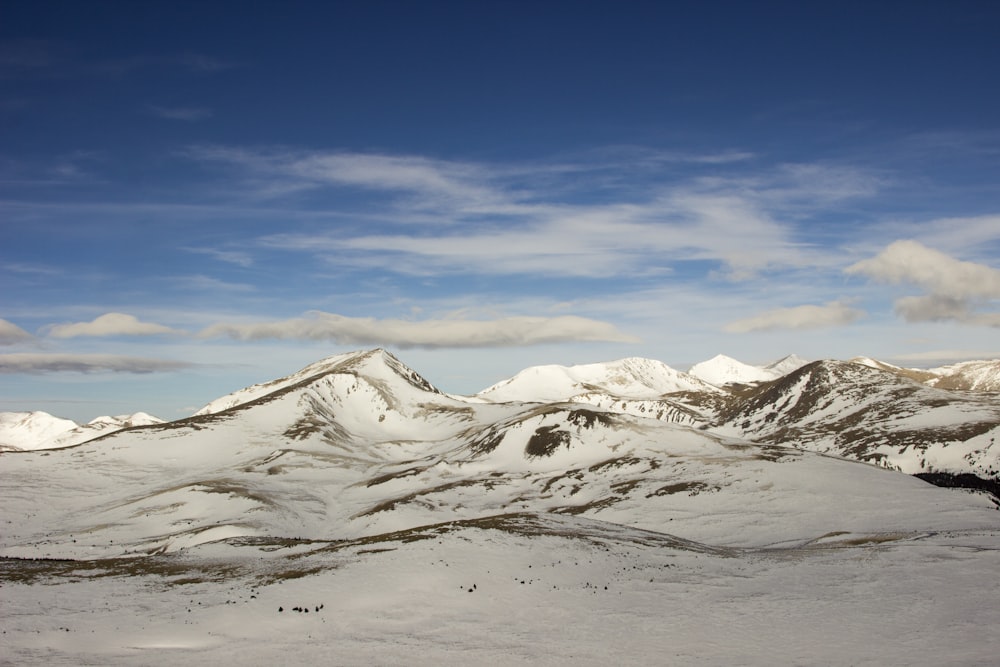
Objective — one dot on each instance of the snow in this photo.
(590, 595)
(721, 370)
(31, 430)
(40, 430)
(633, 377)
(423, 528)
(982, 375)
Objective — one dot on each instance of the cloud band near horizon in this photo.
(442, 333)
(34, 363)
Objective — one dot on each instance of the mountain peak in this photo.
(787, 364)
(722, 370)
(377, 364)
(631, 377)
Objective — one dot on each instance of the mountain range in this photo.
(357, 462)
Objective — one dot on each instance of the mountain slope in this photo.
(352, 514)
(862, 412)
(980, 375)
(360, 445)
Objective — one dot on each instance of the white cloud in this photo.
(932, 308)
(32, 363)
(910, 262)
(836, 313)
(592, 241)
(456, 333)
(516, 219)
(430, 183)
(109, 324)
(11, 334)
(954, 288)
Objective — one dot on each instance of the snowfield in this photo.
(352, 513)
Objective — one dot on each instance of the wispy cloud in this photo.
(109, 324)
(238, 257)
(746, 225)
(973, 235)
(809, 316)
(11, 334)
(189, 114)
(589, 241)
(427, 182)
(454, 333)
(33, 363)
(953, 288)
(30, 269)
(200, 283)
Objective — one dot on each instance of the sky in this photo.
(198, 196)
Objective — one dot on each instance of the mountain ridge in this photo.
(360, 444)
(355, 492)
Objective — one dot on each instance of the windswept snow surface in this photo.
(521, 589)
(353, 514)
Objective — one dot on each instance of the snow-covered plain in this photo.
(551, 591)
(422, 528)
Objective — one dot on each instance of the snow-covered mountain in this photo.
(721, 370)
(31, 430)
(40, 430)
(979, 376)
(982, 375)
(626, 489)
(632, 378)
(864, 412)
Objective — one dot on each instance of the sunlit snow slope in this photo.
(351, 513)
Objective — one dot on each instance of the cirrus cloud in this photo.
(443, 333)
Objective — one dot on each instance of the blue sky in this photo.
(198, 196)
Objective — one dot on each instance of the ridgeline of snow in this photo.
(982, 375)
(873, 412)
(979, 376)
(634, 378)
(377, 364)
(28, 431)
(352, 514)
(786, 365)
(721, 370)
(31, 430)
